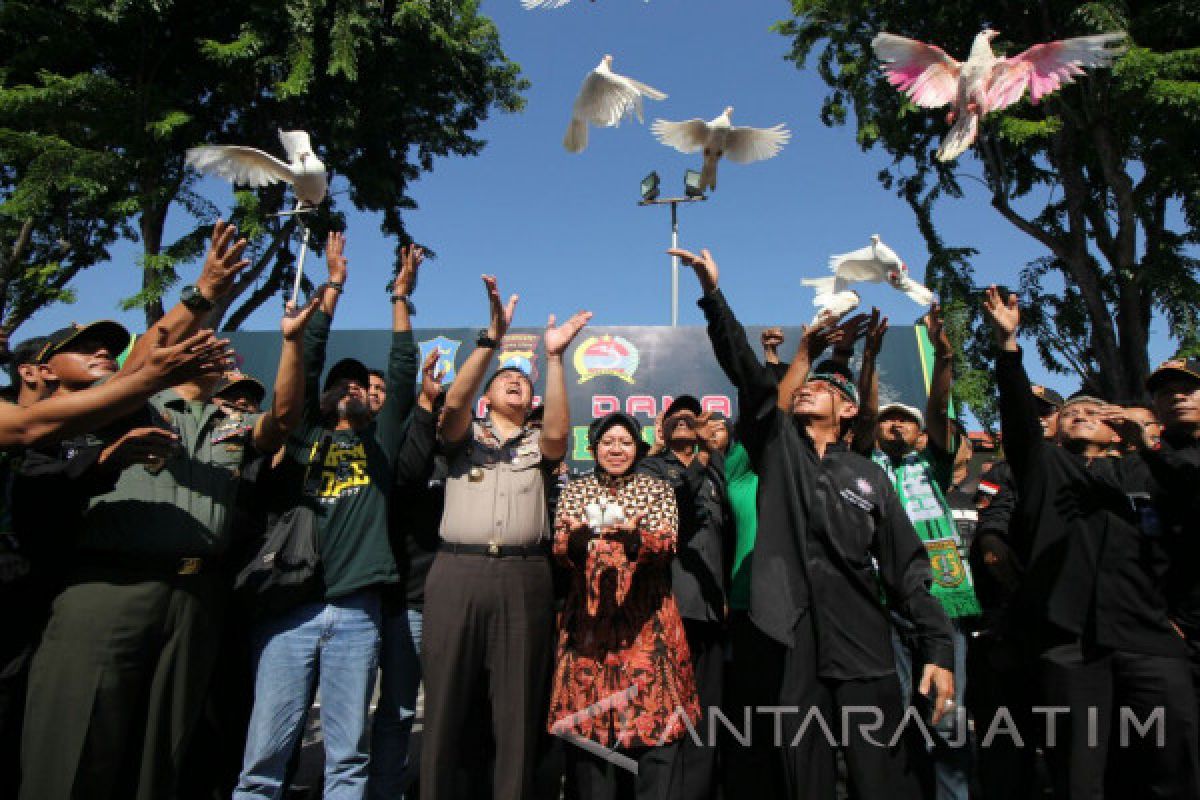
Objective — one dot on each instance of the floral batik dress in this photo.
(623, 676)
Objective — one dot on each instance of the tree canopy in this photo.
(1104, 175)
(100, 100)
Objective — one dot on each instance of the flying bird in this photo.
(532, 4)
(985, 83)
(721, 138)
(247, 166)
(604, 100)
(833, 304)
(875, 263)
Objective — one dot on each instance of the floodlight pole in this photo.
(674, 202)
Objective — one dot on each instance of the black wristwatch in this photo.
(483, 340)
(408, 303)
(191, 297)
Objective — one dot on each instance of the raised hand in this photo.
(411, 257)
(1004, 316)
(201, 354)
(936, 328)
(296, 319)
(222, 262)
(502, 314)
(704, 265)
(816, 338)
(431, 380)
(1130, 429)
(335, 257)
(558, 339)
(877, 328)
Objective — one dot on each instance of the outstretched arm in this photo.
(287, 404)
(1019, 424)
(866, 424)
(754, 382)
(460, 398)
(937, 408)
(556, 428)
(71, 414)
(402, 357)
(813, 341)
(316, 334)
(222, 263)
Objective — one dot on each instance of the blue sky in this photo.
(564, 231)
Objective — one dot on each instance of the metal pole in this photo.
(674, 265)
(300, 262)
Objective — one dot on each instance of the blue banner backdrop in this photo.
(638, 369)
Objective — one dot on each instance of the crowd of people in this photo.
(808, 599)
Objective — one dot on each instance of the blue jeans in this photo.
(337, 644)
(951, 757)
(400, 668)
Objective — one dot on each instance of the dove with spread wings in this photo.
(985, 83)
(875, 263)
(721, 138)
(604, 100)
(248, 166)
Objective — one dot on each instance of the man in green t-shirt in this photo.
(919, 460)
(338, 465)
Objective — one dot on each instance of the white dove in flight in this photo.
(875, 263)
(833, 305)
(721, 138)
(985, 83)
(247, 166)
(604, 100)
(529, 5)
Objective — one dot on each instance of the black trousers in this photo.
(753, 676)
(697, 763)
(875, 770)
(1092, 757)
(493, 619)
(1000, 680)
(118, 683)
(595, 778)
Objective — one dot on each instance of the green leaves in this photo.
(99, 102)
(1103, 172)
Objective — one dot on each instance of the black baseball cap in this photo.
(348, 369)
(244, 382)
(26, 352)
(501, 371)
(685, 402)
(111, 334)
(1186, 367)
(1047, 396)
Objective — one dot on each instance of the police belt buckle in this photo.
(190, 566)
(493, 549)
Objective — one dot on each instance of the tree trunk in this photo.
(152, 221)
(248, 278)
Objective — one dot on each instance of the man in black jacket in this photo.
(697, 572)
(1175, 464)
(832, 540)
(1091, 602)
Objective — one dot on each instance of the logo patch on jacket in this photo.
(855, 499)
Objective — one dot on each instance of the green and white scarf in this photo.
(916, 483)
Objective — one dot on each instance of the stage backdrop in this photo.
(637, 369)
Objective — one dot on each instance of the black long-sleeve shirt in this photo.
(1176, 467)
(697, 571)
(1091, 571)
(833, 539)
(416, 508)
